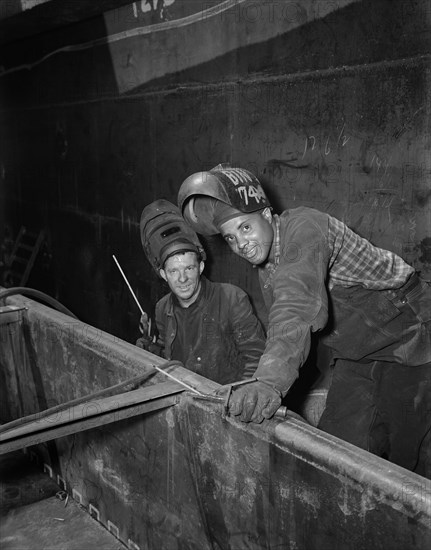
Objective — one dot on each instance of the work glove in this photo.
(252, 401)
(145, 340)
(143, 325)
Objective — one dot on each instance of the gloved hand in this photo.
(252, 402)
(144, 342)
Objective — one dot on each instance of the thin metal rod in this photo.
(177, 380)
(128, 284)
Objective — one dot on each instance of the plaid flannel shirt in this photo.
(354, 260)
(313, 252)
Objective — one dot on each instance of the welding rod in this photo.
(128, 284)
(143, 313)
(134, 296)
(177, 380)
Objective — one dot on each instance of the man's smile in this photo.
(250, 252)
(184, 287)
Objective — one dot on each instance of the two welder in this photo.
(320, 278)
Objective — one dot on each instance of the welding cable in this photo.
(38, 295)
(122, 387)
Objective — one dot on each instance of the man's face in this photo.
(182, 272)
(250, 235)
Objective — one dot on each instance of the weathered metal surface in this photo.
(188, 478)
(32, 517)
(10, 314)
(290, 486)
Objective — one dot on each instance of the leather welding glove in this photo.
(144, 341)
(253, 402)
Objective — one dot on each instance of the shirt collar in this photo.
(275, 248)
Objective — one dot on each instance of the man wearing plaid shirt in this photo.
(318, 276)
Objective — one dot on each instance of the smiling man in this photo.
(366, 304)
(209, 327)
(182, 272)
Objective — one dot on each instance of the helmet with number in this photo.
(165, 233)
(200, 194)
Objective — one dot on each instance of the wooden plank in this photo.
(91, 415)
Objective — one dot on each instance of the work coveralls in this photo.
(379, 398)
(225, 338)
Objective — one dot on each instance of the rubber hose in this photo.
(39, 295)
(122, 387)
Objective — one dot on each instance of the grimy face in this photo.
(182, 272)
(250, 235)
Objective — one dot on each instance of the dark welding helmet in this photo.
(237, 188)
(165, 233)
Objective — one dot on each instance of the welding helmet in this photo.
(165, 233)
(201, 192)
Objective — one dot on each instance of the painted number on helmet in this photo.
(237, 176)
(251, 192)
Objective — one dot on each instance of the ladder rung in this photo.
(28, 243)
(29, 238)
(22, 254)
(19, 260)
(25, 246)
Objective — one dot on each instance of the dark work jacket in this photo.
(229, 339)
(295, 295)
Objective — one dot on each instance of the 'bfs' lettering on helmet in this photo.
(237, 175)
(236, 187)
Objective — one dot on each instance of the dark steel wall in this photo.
(327, 102)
